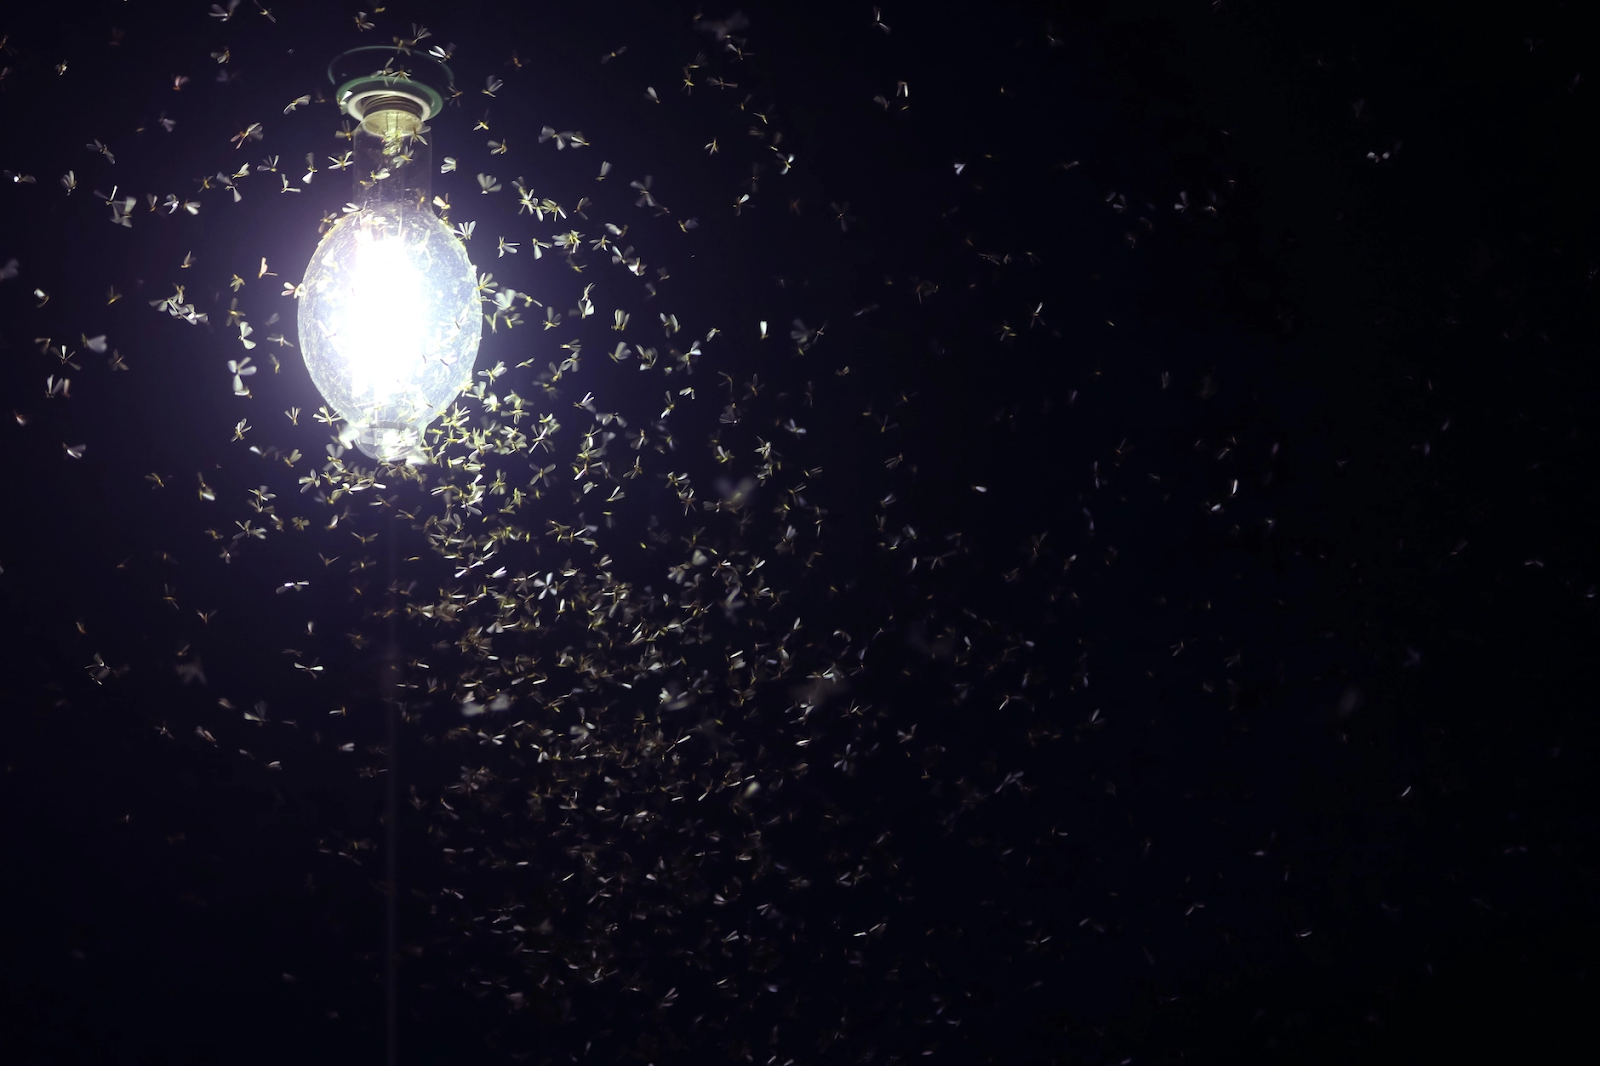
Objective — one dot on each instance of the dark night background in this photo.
(1278, 746)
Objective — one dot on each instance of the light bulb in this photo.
(389, 323)
(389, 319)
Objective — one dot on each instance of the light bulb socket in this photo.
(389, 114)
(401, 75)
(392, 105)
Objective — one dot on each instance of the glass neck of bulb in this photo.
(393, 162)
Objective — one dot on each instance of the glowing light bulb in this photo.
(389, 319)
(389, 323)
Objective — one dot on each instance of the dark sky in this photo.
(1135, 603)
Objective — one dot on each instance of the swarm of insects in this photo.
(799, 633)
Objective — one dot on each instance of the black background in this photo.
(1349, 710)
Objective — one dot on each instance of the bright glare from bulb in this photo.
(389, 324)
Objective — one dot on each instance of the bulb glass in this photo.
(390, 323)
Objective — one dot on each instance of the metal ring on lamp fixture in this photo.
(357, 94)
